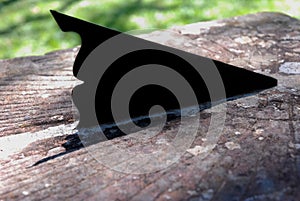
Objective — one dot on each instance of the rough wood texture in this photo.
(257, 157)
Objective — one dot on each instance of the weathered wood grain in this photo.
(257, 157)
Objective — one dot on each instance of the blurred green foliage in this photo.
(27, 28)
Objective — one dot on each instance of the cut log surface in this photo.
(256, 157)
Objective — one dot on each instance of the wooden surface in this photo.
(257, 157)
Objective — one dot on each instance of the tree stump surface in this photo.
(257, 156)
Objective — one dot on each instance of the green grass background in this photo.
(27, 28)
